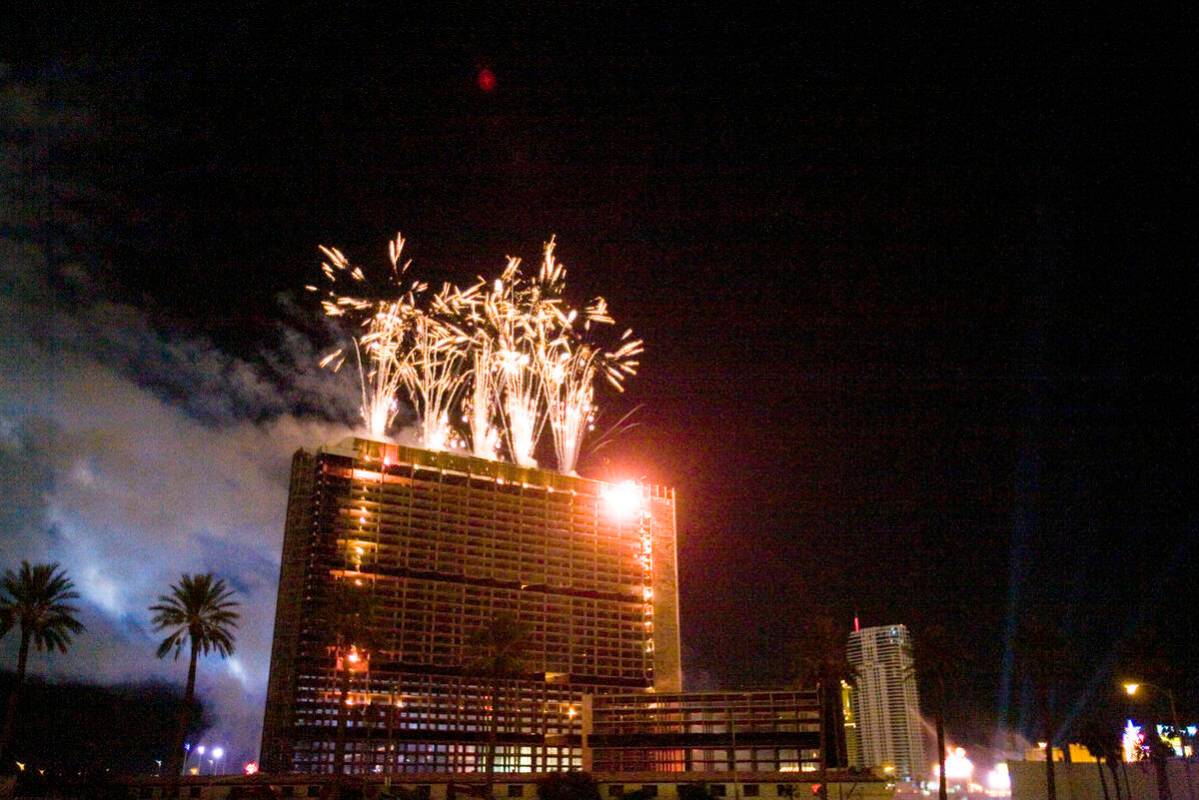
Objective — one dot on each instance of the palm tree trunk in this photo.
(943, 783)
(14, 696)
(823, 793)
(493, 734)
(1102, 780)
(1050, 785)
(1111, 766)
(339, 749)
(175, 762)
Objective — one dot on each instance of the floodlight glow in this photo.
(998, 779)
(1131, 688)
(957, 766)
(1131, 741)
(201, 749)
(622, 500)
(218, 752)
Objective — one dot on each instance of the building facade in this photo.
(393, 557)
(710, 732)
(886, 704)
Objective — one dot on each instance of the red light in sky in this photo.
(486, 79)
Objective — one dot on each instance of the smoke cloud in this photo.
(131, 456)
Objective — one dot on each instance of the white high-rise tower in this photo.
(886, 704)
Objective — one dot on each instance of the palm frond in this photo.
(37, 599)
(199, 610)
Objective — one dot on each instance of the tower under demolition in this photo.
(393, 556)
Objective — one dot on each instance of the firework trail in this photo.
(568, 364)
(432, 371)
(379, 350)
(509, 309)
(469, 310)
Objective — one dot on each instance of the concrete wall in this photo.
(1081, 781)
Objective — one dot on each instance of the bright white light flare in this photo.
(622, 500)
(958, 768)
(998, 779)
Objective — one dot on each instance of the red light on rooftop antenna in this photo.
(486, 79)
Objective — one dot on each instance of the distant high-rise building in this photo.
(886, 704)
(853, 749)
(393, 556)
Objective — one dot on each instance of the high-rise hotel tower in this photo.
(886, 706)
(393, 556)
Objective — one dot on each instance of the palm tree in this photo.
(823, 662)
(37, 599)
(199, 610)
(1095, 735)
(349, 616)
(1047, 661)
(496, 652)
(932, 663)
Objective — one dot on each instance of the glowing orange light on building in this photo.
(622, 500)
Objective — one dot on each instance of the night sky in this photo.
(917, 292)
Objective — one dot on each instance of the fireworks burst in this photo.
(432, 372)
(379, 350)
(507, 358)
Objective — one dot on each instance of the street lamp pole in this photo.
(1131, 688)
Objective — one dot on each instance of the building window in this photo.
(516, 790)
(649, 790)
(287, 791)
(750, 790)
(616, 790)
(785, 790)
(314, 791)
(716, 790)
(424, 791)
